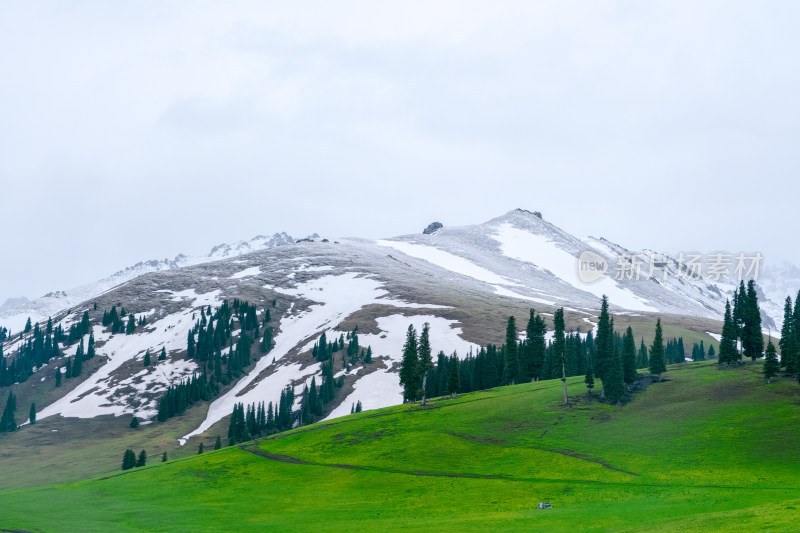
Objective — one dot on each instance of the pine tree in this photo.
(128, 459)
(409, 366)
(134, 423)
(7, 421)
(644, 361)
(359, 407)
(728, 354)
(142, 460)
(425, 361)
(58, 376)
(629, 358)
(163, 355)
(164, 457)
(771, 365)
(32, 414)
(200, 449)
(218, 442)
(147, 358)
(657, 363)
(535, 347)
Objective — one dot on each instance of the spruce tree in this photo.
(728, 354)
(200, 449)
(359, 407)
(409, 366)
(425, 363)
(164, 457)
(614, 384)
(142, 461)
(128, 459)
(629, 358)
(752, 338)
(512, 359)
(147, 358)
(32, 414)
(657, 361)
(535, 347)
(163, 355)
(218, 442)
(589, 379)
(788, 343)
(603, 345)
(58, 376)
(559, 349)
(7, 421)
(771, 365)
(134, 423)
(454, 379)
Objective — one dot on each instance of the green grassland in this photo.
(706, 449)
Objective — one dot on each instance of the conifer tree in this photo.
(32, 414)
(409, 366)
(359, 408)
(163, 355)
(164, 457)
(589, 379)
(218, 442)
(603, 346)
(134, 423)
(771, 365)
(454, 379)
(128, 459)
(657, 363)
(425, 361)
(629, 358)
(535, 347)
(559, 349)
(200, 449)
(511, 356)
(614, 384)
(752, 338)
(788, 343)
(142, 460)
(728, 354)
(7, 421)
(58, 376)
(147, 358)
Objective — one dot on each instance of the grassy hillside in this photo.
(707, 449)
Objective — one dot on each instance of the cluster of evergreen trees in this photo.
(699, 352)
(352, 352)
(790, 338)
(129, 459)
(7, 421)
(742, 325)
(609, 356)
(213, 331)
(256, 420)
(37, 350)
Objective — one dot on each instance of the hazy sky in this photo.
(138, 130)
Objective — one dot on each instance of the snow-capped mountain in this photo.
(15, 311)
(463, 281)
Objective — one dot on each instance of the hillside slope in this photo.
(707, 449)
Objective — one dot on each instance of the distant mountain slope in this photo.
(463, 281)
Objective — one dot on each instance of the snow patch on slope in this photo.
(337, 297)
(447, 261)
(525, 246)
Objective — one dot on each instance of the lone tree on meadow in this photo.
(657, 363)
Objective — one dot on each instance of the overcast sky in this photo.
(138, 130)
